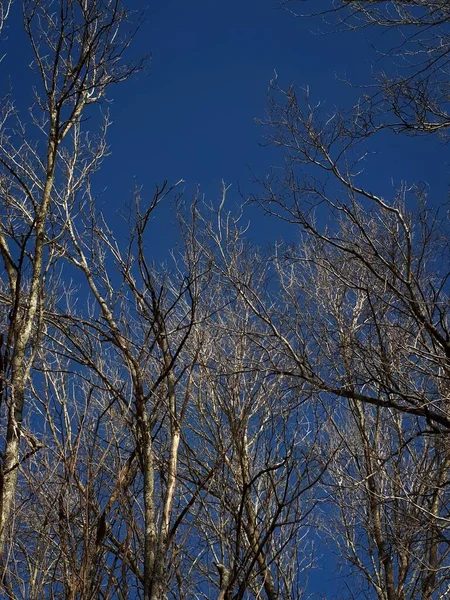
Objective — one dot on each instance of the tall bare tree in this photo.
(145, 319)
(77, 52)
(256, 515)
(363, 319)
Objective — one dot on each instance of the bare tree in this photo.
(358, 319)
(256, 515)
(361, 315)
(370, 253)
(389, 488)
(77, 49)
(412, 92)
(144, 319)
(64, 545)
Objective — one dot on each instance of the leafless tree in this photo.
(358, 321)
(77, 54)
(361, 315)
(144, 320)
(389, 489)
(385, 266)
(412, 92)
(69, 494)
(256, 515)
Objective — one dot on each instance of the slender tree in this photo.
(77, 54)
(257, 512)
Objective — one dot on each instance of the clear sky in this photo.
(191, 116)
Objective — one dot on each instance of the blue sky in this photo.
(191, 116)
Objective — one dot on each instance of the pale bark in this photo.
(76, 55)
(22, 329)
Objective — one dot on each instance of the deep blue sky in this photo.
(212, 63)
(191, 116)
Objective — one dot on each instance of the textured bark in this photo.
(150, 533)
(254, 536)
(21, 365)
